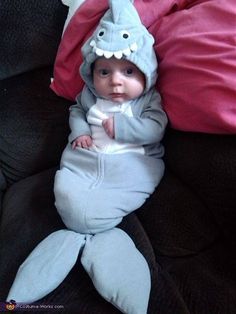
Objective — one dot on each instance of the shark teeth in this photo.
(108, 54)
(117, 54)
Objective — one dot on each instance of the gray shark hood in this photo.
(120, 34)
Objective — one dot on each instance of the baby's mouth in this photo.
(117, 94)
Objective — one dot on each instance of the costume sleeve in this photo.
(146, 128)
(77, 120)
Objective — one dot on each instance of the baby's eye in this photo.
(129, 71)
(103, 72)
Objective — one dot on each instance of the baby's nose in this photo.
(116, 78)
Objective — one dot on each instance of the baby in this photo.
(111, 165)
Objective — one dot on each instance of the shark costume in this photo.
(96, 187)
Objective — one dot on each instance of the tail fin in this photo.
(118, 270)
(47, 266)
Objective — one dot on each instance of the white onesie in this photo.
(104, 109)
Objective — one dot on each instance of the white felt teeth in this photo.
(108, 54)
(92, 43)
(117, 54)
(127, 52)
(99, 52)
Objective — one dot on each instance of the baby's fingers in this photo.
(86, 143)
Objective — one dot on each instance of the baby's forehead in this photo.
(102, 61)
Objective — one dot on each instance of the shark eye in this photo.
(101, 33)
(125, 34)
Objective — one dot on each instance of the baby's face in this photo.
(117, 80)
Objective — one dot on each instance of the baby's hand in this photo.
(108, 125)
(83, 141)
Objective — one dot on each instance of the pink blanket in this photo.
(196, 48)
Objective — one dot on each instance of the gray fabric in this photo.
(118, 270)
(95, 191)
(46, 266)
(105, 257)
